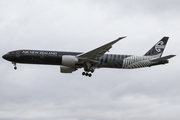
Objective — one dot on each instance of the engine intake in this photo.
(69, 60)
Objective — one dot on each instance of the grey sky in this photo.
(42, 92)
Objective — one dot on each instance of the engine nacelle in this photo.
(69, 60)
(64, 69)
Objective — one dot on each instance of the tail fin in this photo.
(158, 48)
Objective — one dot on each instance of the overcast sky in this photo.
(36, 92)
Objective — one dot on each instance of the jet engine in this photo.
(64, 69)
(69, 60)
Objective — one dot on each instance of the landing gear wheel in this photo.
(83, 73)
(86, 74)
(90, 75)
(91, 70)
(15, 68)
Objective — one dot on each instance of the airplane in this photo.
(96, 58)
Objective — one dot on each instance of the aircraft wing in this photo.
(163, 58)
(98, 52)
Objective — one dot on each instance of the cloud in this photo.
(41, 92)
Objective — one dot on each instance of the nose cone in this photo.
(4, 57)
(10, 56)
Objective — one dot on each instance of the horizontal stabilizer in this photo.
(163, 58)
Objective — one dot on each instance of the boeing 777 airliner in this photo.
(96, 58)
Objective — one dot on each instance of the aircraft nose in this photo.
(9, 56)
(4, 56)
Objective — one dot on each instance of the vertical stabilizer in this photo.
(158, 48)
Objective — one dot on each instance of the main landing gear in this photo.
(87, 73)
(88, 69)
(15, 68)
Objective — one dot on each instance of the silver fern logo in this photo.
(160, 45)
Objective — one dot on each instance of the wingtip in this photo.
(121, 37)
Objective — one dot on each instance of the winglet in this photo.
(121, 38)
(111, 43)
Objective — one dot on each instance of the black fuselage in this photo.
(37, 56)
(55, 58)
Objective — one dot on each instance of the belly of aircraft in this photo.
(40, 60)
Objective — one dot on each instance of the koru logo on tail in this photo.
(160, 45)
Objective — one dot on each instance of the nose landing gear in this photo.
(15, 68)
